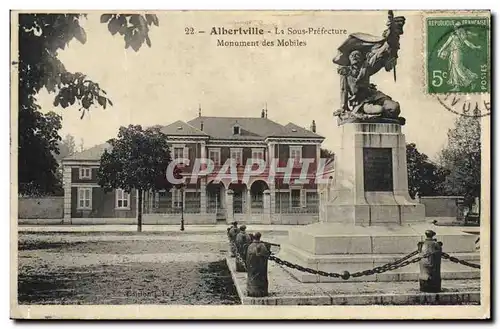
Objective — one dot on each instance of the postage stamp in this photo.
(458, 55)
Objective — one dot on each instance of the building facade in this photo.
(259, 171)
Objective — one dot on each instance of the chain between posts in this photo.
(399, 263)
(238, 256)
(402, 262)
(459, 261)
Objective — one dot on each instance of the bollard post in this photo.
(231, 234)
(430, 264)
(242, 242)
(257, 258)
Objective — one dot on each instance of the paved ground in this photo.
(125, 268)
(220, 228)
(285, 289)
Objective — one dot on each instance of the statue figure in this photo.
(257, 258)
(242, 242)
(359, 57)
(231, 234)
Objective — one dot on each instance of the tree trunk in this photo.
(139, 212)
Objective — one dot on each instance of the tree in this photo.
(41, 36)
(138, 160)
(326, 154)
(462, 157)
(66, 147)
(37, 167)
(424, 177)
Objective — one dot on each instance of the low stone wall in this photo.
(175, 219)
(101, 221)
(294, 219)
(440, 206)
(41, 208)
(276, 219)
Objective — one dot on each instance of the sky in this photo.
(169, 81)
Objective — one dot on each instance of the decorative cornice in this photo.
(235, 143)
(78, 163)
(187, 138)
(295, 140)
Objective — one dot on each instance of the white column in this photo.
(271, 184)
(203, 195)
(229, 206)
(203, 152)
(267, 207)
(318, 154)
(270, 152)
(67, 194)
(249, 202)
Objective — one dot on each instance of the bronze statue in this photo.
(242, 242)
(359, 57)
(231, 234)
(257, 258)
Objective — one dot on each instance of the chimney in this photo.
(199, 110)
(313, 126)
(201, 125)
(262, 114)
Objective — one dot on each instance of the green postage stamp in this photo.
(458, 59)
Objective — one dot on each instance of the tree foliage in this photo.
(67, 147)
(134, 28)
(424, 177)
(41, 37)
(326, 154)
(37, 167)
(462, 157)
(138, 160)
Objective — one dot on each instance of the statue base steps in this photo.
(336, 247)
(373, 213)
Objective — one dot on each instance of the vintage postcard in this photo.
(250, 165)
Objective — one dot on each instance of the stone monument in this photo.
(369, 218)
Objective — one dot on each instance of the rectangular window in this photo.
(177, 198)
(122, 199)
(84, 198)
(85, 173)
(156, 200)
(296, 154)
(258, 153)
(295, 198)
(214, 155)
(303, 198)
(236, 156)
(178, 153)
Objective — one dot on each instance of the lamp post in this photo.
(178, 176)
(182, 206)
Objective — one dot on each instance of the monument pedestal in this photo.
(368, 218)
(371, 179)
(336, 247)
